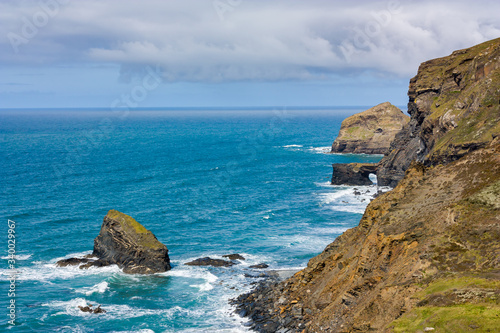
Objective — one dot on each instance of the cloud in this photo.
(229, 40)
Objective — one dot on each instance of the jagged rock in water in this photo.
(72, 262)
(234, 256)
(370, 131)
(207, 261)
(353, 173)
(125, 242)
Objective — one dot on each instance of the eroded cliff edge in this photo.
(453, 104)
(370, 131)
(425, 254)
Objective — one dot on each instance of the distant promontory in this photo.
(370, 131)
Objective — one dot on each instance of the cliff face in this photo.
(371, 131)
(426, 254)
(454, 108)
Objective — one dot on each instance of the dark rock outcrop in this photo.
(72, 262)
(370, 131)
(260, 266)
(207, 261)
(353, 173)
(88, 308)
(234, 256)
(125, 242)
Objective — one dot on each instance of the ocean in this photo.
(205, 182)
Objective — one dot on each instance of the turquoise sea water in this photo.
(207, 183)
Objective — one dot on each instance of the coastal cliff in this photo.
(370, 131)
(454, 108)
(425, 255)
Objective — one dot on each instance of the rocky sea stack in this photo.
(370, 131)
(125, 242)
(426, 255)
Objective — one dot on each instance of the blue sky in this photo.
(155, 53)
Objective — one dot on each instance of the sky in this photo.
(227, 53)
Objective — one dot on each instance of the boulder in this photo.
(370, 131)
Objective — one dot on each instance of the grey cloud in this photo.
(250, 40)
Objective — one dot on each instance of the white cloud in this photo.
(255, 40)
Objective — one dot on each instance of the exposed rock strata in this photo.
(125, 242)
(353, 173)
(454, 108)
(370, 131)
(428, 248)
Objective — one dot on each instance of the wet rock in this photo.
(72, 262)
(89, 308)
(207, 261)
(234, 256)
(260, 266)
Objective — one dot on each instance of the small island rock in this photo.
(125, 242)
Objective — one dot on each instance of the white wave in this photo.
(98, 288)
(293, 146)
(69, 307)
(43, 271)
(203, 287)
(352, 199)
(72, 255)
(321, 150)
(331, 230)
(324, 184)
(196, 273)
(113, 311)
(18, 257)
